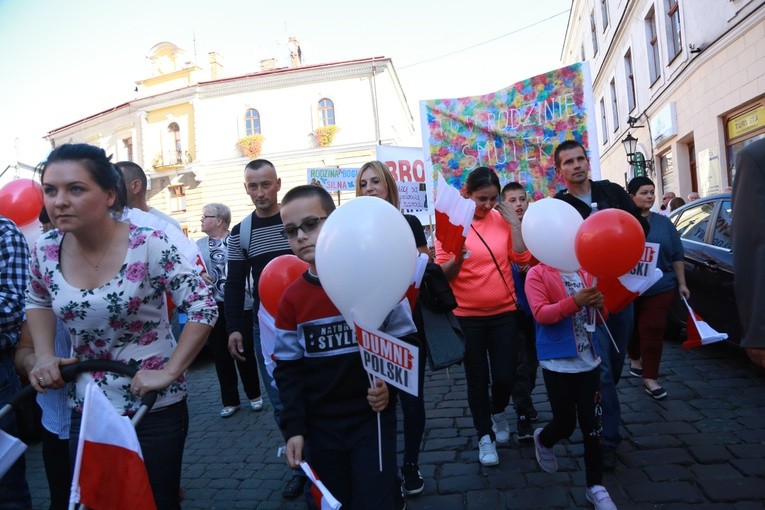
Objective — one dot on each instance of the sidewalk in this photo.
(703, 446)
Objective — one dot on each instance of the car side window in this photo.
(692, 223)
(721, 236)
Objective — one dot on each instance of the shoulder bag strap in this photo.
(496, 264)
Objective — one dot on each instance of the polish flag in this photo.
(414, 287)
(454, 213)
(621, 291)
(109, 472)
(322, 497)
(699, 332)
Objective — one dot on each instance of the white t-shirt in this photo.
(586, 359)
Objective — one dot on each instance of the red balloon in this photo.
(21, 201)
(277, 276)
(609, 243)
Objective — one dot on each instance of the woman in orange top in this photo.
(482, 283)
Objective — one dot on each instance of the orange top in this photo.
(480, 289)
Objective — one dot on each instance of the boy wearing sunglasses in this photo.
(328, 402)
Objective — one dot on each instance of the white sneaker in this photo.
(257, 404)
(501, 428)
(228, 411)
(598, 496)
(487, 452)
(545, 456)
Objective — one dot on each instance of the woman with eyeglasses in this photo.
(486, 308)
(215, 222)
(375, 180)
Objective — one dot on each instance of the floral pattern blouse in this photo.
(125, 319)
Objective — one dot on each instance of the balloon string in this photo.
(372, 380)
(608, 331)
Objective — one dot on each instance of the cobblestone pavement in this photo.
(702, 447)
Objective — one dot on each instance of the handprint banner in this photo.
(514, 130)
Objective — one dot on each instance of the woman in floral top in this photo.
(106, 280)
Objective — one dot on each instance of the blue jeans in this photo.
(162, 436)
(268, 380)
(14, 490)
(611, 365)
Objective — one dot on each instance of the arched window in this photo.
(327, 112)
(175, 132)
(252, 122)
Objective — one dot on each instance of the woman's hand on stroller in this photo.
(46, 373)
(145, 381)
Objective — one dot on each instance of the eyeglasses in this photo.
(206, 216)
(308, 226)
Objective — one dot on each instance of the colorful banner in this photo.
(515, 130)
(407, 164)
(333, 178)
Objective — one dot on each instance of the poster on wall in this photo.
(514, 130)
(407, 164)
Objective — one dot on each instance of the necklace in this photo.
(95, 266)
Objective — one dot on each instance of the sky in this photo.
(63, 61)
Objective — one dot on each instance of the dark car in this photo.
(705, 230)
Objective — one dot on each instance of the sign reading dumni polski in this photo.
(388, 358)
(514, 130)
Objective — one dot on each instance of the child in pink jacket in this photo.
(569, 364)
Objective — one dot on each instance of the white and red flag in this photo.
(699, 332)
(621, 291)
(322, 497)
(454, 213)
(109, 472)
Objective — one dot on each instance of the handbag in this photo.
(440, 328)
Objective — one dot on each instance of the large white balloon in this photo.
(365, 257)
(549, 230)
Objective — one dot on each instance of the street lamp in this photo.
(634, 158)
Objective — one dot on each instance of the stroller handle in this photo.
(69, 373)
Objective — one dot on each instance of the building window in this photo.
(674, 38)
(652, 38)
(594, 32)
(604, 13)
(743, 126)
(630, 79)
(128, 144)
(177, 195)
(667, 169)
(615, 105)
(252, 122)
(327, 112)
(603, 127)
(176, 153)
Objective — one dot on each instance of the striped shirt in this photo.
(266, 243)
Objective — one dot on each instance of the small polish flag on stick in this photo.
(109, 472)
(322, 497)
(454, 214)
(699, 332)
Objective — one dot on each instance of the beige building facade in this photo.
(684, 77)
(186, 122)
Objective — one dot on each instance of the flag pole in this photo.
(372, 380)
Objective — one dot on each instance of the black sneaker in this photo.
(413, 482)
(524, 427)
(294, 487)
(399, 501)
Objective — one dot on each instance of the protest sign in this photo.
(407, 164)
(514, 130)
(333, 178)
(390, 359)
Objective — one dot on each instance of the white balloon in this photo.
(549, 231)
(366, 257)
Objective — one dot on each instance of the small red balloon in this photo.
(21, 201)
(609, 243)
(276, 277)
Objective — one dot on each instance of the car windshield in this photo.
(692, 223)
